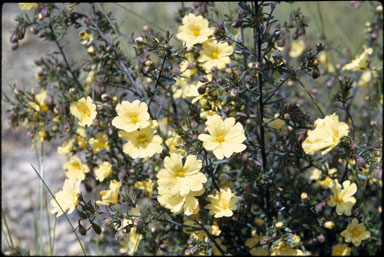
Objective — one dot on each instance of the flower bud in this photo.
(105, 97)
(127, 229)
(315, 73)
(221, 81)
(320, 47)
(320, 238)
(379, 9)
(203, 79)
(304, 196)
(96, 228)
(233, 92)
(258, 65)
(15, 46)
(148, 63)
(202, 89)
(14, 38)
(229, 71)
(329, 224)
(195, 250)
(279, 224)
(110, 49)
(187, 252)
(214, 70)
(139, 41)
(237, 23)
(81, 229)
(190, 241)
(163, 247)
(91, 50)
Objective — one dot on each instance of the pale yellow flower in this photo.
(40, 99)
(215, 54)
(281, 249)
(355, 233)
(275, 123)
(183, 89)
(142, 143)
(84, 110)
(365, 78)
(343, 199)
(75, 169)
(99, 143)
(222, 204)
(297, 48)
(325, 61)
(103, 171)
(175, 143)
(341, 250)
(254, 240)
(329, 224)
(177, 178)
(225, 136)
(147, 186)
(68, 198)
(131, 116)
(360, 62)
(326, 135)
(111, 196)
(177, 203)
(80, 139)
(27, 6)
(185, 69)
(259, 251)
(194, 30)
(66, 147)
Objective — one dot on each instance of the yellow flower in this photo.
(200, 235)
(99, 143)
(68, 198)
(142, 143)
(275, 123)
(282, 249)
(131, 116)
(355, 233)
(297, 48)
(254, 240)
(194, 30)
(131, 241)
(27, 6)
(326, 135)
(111, 196)
(80, 139)
(147, 186)
(222, 203)
(177, 178)
(40, 99)
(360, 62)
(259, 251)
(224, 138)
(324, 59)
(343, 199)
(341, 250)
(75, 169)
(176, 203)
(174, 143)
(66, 147)
(103, 170)
(84, 110)
(183, 89)
(86, 37)
(216, 251)
(215, 54)
(185, 69)
(365, 78)
(329, 224)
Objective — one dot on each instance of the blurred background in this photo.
(340, 21)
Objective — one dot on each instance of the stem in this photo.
(64, 56)
(261, 111)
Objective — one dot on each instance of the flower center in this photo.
(142, 139)
(133, 118)
(76, 165)
(181, 173)
(355, 232)
(84, 109)
(215, 54)
(196, 32)
(220, 138)
(339, 199)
